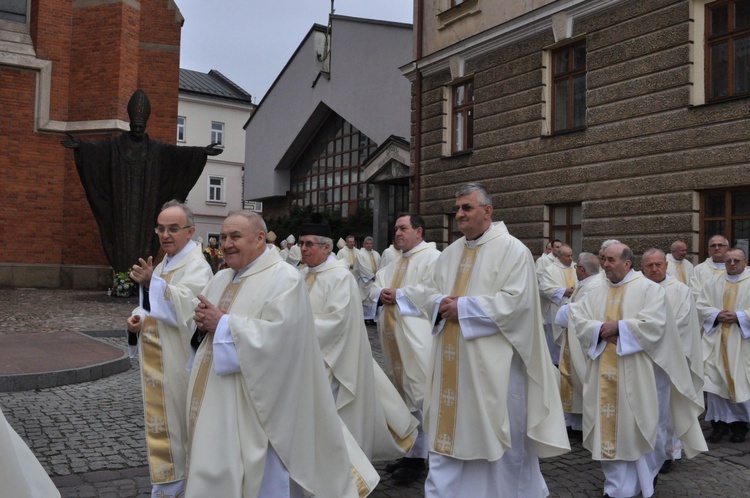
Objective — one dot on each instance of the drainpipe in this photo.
(418, 110)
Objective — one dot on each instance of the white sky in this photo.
(250, 41)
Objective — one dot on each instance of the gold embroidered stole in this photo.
(372, 262)
(309, 280)
(448, 402)
(680, 272)
(608, 374)
(352, 257)
(160, 460)
(730, 297)
(570, 277)
(201, 379)
(566, 381)
(389, 329)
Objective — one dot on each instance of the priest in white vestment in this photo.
(678, 266)
(724, 312)
(352, 371)
(365, 268)
(164, 320)
(572, 359)
(548, 257)
(680, 299)
(713, 265)
(406, 338)
(21, 474)
(636, 363)
(261, 417)
(556, 284)
(294, 256)
(390, 254)
(348, 253)
(492, 407)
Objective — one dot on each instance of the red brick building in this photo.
(70, 66)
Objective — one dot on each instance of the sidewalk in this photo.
(90, 437)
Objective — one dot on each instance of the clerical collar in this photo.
(624, 280)
(169, 262)
(587, 279)
(720, 266)
(411, 251)
(329, 259)
(241, 271)
(473, 242)
(734, 278)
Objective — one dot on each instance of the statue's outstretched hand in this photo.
(211, 149)
(71, 143)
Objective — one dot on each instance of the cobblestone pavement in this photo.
(90, 438)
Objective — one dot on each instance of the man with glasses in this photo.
(713, 265)
(356, 385)
(723, 308)
(492, 406)
(164, 322)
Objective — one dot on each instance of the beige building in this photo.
(587, 119)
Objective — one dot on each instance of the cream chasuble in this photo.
(348, 255)
(21, 474)
(406, 341)
(726, 354)
(334, 297)
(620, 408)
(503, 282)
(164, 351)
(682, 271)
(365, 267)
(280, 398)
(702, 273)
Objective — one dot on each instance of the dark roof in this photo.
(214, 85)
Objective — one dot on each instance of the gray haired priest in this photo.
(261, 418)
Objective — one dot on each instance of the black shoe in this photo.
(720, 429)
(394, 465)
(406, 475)
(666, 468)
(739, 431)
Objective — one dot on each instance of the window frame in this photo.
(467, 111)
(217, 135)
(728, 218)
(221, 188)
(25, 15)
(569, 75)
(569, 227)
(729, 37)
(182, 129)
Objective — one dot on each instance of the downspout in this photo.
(418, 111)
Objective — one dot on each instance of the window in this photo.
(181, 120)
(216, 189)
(217, 133)
(330, 176)
(462, 116)
(727, 49)
(727, 213)
(566, 225)
(13, 10)
(569, 87)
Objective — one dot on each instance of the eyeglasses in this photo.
(466, 208)
(172, 230)
(717, 245)
(733, 261)
(308, 244)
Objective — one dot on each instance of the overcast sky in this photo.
(250, 41)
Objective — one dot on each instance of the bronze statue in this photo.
(128, 177)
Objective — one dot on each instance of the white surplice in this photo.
(174, 284)
(265, 389)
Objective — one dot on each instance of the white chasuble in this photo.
(555, 279)
(726, 351)
(702, 273)
(334, 297)
(503, 282)
(21, 474)
(280, 398)
(365, 267)
(164, 351)
(406, 341)
(681, 270)
(626, 427)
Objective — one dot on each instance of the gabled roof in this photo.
(214, 85)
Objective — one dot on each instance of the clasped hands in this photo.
(207, 315)
(448, 308)
(727, 316)
(609, 331)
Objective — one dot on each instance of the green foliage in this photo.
(122, 286)
(358, 224)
